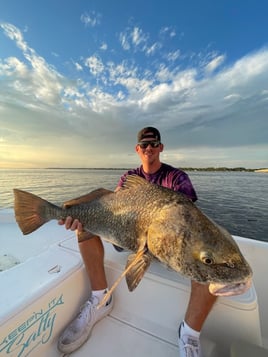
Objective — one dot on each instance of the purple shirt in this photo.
(166, 176)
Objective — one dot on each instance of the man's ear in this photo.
(161, 147)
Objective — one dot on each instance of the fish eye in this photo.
(206, 258)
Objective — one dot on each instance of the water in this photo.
(236, 200)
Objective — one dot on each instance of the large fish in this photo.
(152, 222)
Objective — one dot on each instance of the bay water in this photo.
(236, 200)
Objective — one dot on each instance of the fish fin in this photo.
(142, 260)
(133, 181)
(29, 211)
(137, 268)
(86, 198)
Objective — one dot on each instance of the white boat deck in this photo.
(45, 290)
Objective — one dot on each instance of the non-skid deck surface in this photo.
(111, 337)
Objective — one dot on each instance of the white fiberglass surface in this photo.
(15, 248)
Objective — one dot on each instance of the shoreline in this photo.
(234, 169)
(208, 169)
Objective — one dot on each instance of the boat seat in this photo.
(244, 349)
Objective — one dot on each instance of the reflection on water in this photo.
(236, 200)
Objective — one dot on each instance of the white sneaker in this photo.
(77, 333)
(189, 346)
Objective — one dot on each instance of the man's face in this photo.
(149, 149)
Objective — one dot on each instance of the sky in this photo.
(80, 78)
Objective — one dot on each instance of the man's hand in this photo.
(72, 224)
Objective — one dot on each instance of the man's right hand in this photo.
(72, 224)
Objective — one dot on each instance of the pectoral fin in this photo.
(136, 266)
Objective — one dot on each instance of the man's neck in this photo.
(151, 168)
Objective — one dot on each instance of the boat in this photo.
(44, 283)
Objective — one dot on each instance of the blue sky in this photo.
(79, 78)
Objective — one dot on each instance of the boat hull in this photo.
(44, 292)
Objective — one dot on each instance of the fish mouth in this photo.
(232, 289)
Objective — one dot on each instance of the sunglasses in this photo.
(145, 144)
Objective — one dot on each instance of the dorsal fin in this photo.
(134, 181)
(86, 198)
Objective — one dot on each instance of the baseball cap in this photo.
(149, 132)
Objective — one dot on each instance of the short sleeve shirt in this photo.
(166, 176)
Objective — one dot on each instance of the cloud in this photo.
(167, 31)
(211, 113)
(138, 37)
(173, 56)
(134, 38)
(91, 19)
(214, 64)
(104, 46)
(33, 78)
(78, 66)
(14, 34)
(95, 65)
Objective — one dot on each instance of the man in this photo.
(148, 148)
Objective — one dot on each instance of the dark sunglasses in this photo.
(145, 144)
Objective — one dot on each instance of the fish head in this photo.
(218, 261)
(227, 274)
(192, 244)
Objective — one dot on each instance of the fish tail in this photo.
(31, 211)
